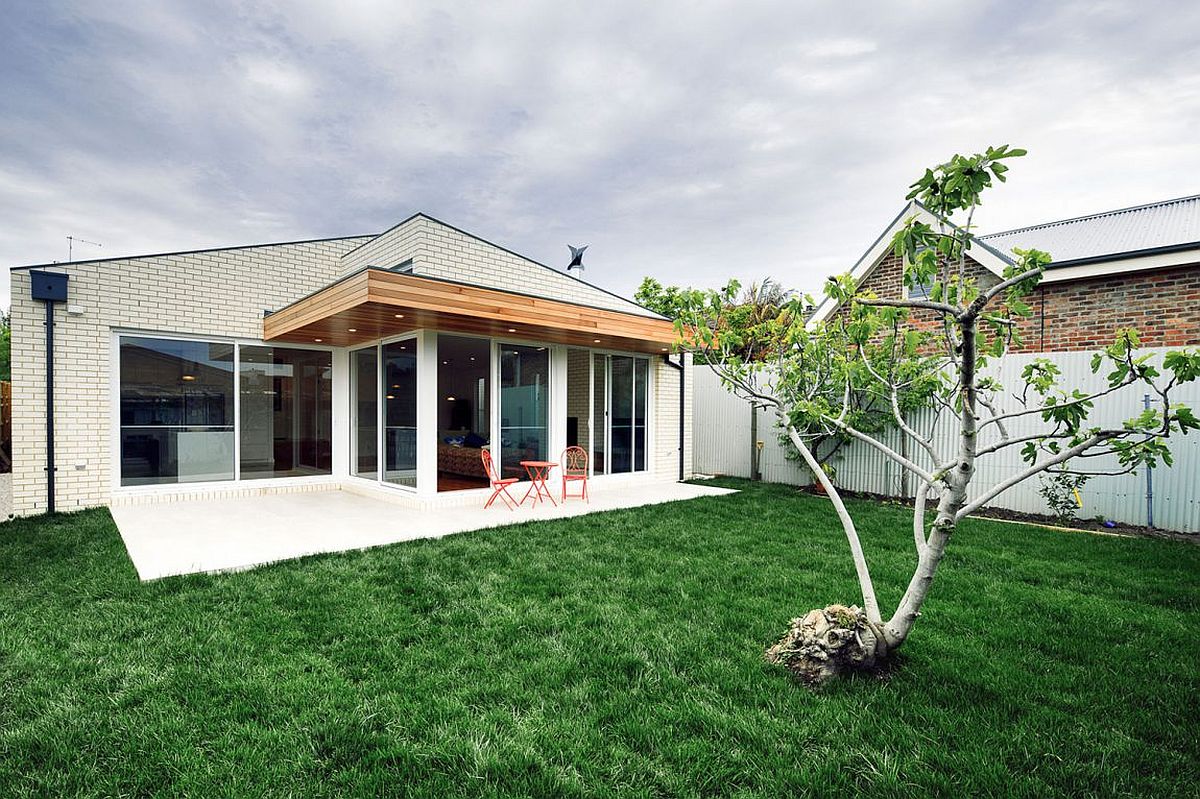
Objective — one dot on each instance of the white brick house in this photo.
(382, 364)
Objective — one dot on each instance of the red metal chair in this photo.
(575, 469)
(499, 486)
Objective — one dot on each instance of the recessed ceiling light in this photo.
(450, 399)
(389, 396)
(399, 316)
(444, 363)
(395, 385)
(665, 349)
(595, 341)
(472, 357)
(316, 339)
(188, 378)
(352, 330)
(512, 330)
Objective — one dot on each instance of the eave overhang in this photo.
(376, 303)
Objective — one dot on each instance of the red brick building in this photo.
(1134, 267)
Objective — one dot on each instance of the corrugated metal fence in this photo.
(723, 445)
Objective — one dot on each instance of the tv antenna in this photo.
(71, 245)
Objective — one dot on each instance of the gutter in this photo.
(682, 387)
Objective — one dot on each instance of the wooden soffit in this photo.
(376, 303)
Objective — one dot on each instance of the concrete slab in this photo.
(221, 534)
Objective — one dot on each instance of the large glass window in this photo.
(400, 412)
(286, 411)
(364, 393)
(641, 369)
(464, 418)
(524, 407)
(177, 411)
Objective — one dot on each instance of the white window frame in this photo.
(237, 482)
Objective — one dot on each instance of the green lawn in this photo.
(615, 654)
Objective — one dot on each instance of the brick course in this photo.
(1163, 305)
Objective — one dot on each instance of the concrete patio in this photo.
(223, 534)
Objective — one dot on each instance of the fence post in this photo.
(1149, 477)
(754, 474)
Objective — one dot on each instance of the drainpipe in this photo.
(682, 386)
(50, 288)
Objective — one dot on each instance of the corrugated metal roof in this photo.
(1169, 223)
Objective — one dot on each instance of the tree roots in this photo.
(829, 642)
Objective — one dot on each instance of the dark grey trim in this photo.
(183, 252)
(502, 248)
(448, 281)
(1129, 254)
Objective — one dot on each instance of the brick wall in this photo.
(1163, 305)
(440, 251)
(217, 293)
(665, 463)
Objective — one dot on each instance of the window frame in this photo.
(237, 482)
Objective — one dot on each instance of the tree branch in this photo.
(1021, 476)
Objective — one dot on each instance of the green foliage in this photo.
(867, 367)
(664, 300)
(1061, 492)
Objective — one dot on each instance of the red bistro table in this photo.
(538, 472)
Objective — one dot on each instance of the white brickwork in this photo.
(222, 294)
(666, 418)
(438, 250)
(211, 293)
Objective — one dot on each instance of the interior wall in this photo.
(578, 396)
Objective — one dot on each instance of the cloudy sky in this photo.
(691, 141)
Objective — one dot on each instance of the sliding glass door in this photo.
(383, 396)
(524, 407)
(364, 396)
(400, 413)
(619, 413)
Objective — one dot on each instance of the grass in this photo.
(610, 655)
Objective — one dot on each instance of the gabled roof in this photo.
(1125, 232)
(432, 248)
(986, 256)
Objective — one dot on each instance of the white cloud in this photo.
(692, 143)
